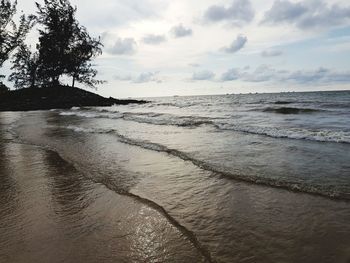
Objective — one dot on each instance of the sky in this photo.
(189, 47)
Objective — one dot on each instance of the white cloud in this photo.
(271, 53)
(153, 39)
(194, 65)
(143, 77)
(106, 13)
(265, 73)
(137, 28)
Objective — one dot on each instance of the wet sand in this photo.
(49, 212)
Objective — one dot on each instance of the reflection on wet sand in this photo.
(50, 213)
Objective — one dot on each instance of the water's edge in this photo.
(190, 235)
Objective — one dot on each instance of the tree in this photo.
(65, 47)
(25, 65)
(11, 35)
(57, 18)
(84, 48)
(3, 88)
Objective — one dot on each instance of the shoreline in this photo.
(225, 216)
(62, 172)
(9, 141)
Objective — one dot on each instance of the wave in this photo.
(289, 110)
(281, 102)
(89, 130)
(220, 170)
(142, 117)
(196, 121)
(291, 133)
(92, 114)
(167, 119)
(178, 104)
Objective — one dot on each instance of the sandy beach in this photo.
(158, 131)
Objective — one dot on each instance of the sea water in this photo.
(243, 178)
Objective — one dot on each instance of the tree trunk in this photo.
(73, 82)
(33, 77)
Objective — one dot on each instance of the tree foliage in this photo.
(25, 65)
(57, 19)
(65, 47)
(3, 88)
(11, 35)
(83, 49)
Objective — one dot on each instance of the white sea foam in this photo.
(279, 183)
(291, 133)
(322, 135)
(89, 130)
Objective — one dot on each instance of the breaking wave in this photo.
(142, 117)
(221, 124)
(291, 133)
(292, 186)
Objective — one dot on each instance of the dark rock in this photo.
(60, 97)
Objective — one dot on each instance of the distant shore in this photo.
(60, 97)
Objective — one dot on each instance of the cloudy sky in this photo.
(185, 47)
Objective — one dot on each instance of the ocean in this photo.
(226, 178)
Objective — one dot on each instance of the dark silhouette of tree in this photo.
(3, 88)
(83, 49)
(65, 47)
(57, 18)
(25, 65)
(11, 35)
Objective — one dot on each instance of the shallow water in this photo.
(219, 194)
(298, 141)
(50, 212)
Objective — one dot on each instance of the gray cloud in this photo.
(285, 11)
(266, 73)
(153, 39)
(122, 46)
(203, 75)
(271, 53)
(307, 14)
(260, 74)
(231, 74)
(240, 12)
(141, 78)
(147, 77)
(320, 75)
(236, 45)
(181, 31)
